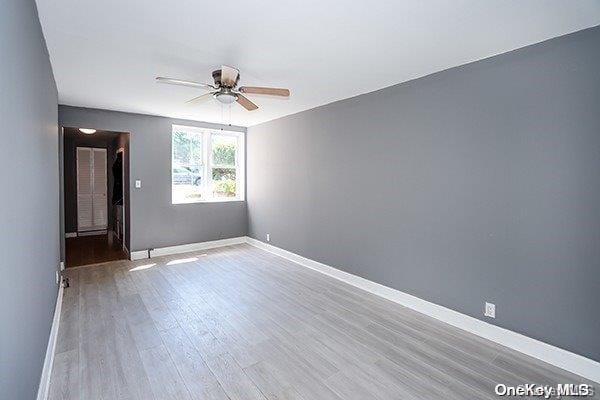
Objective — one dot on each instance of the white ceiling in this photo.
(106, 53)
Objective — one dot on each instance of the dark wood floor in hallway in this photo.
(94, 249)
(240, 323)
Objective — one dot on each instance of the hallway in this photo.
(86, 250)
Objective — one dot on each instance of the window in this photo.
(206, 165)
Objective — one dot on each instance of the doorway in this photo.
(96, 196)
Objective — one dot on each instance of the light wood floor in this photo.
(241, 323)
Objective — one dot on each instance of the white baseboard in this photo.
(138, 255)
(71, 234)
(44, 386)
(564, 359)
(186, 248)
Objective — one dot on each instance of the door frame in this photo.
(122, 150)
(61, 183)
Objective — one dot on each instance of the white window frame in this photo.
(207, 166)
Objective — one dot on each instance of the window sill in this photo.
(208, 201)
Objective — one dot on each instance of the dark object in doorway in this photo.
(117, 170)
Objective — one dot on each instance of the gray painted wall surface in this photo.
(155, 222)
(479, 183)
(29, 212)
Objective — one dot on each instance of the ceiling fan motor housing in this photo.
(217, 78)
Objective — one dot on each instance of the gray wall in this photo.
(155, 222)
(29, 212)
(479, 183)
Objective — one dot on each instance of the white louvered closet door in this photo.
(91, 189)
(84, 188)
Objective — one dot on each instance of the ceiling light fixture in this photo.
(87, 131)
(226, 97)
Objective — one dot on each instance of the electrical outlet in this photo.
(57, 277)
(138, 184)
(490, 310)
(268, 237)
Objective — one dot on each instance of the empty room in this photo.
(271, 200)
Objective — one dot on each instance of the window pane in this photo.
(187, 148)
(186, 173)
(223, 182)
(223, 150)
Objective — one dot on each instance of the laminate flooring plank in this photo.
(233, 379)
(299, 376)
(124, 281)
(270, 386)
(64, 383)
(243, 351)
(198, 378)
(68, 335)
(203, 340)
(348, 388)
(126, 375)
(94, 370)
(164, 378)
(158, 310)
(125, 357)
(141, 324)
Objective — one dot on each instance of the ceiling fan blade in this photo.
(229, 76)
(244, 102)
(265, 90)
(204, 96)
(174, 81)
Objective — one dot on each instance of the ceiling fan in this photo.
(225, 89)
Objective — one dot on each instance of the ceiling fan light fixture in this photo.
(87, 131)
(225, 89)
(226, 97)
